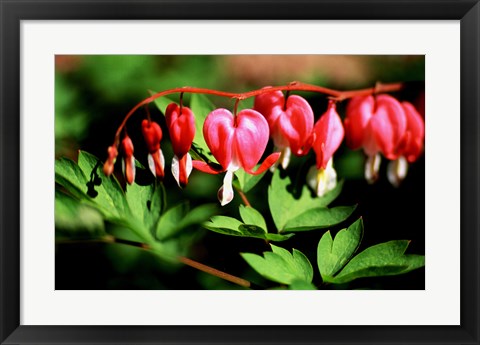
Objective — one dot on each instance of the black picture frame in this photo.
(13, 12)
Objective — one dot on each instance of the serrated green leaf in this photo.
(247, 181)
(181, 217)
(145, 203)
(77, 219)
(170, 220)
(380, 260)
(199, 215)
(251, 216)
(319, 218)
(233, 227)
(109, 196)
(281, 266)
(332, 255)
(285, 207)
(201, 107)
(69, 175)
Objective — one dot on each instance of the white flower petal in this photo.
(225, 193)
(372, 166)
(397, 171)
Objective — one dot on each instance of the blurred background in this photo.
(93, 94)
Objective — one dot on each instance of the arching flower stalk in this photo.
(236, 142)
(181, 127)
(152, 133)
(290, 121)
(328, 134)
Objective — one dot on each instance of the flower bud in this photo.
(110, 162)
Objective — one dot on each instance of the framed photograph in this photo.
(204, 172)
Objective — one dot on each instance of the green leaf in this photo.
(332, 255)
(319, 218)
(181, 217)
(169, 221)
(281, 266)
(108, 195)
(301, 285)
(380, 260)
(162, 102)
(233, 227)
(201, 107)
(278, 237)
(69, 175)
(77, 219)
(253, 217)
(285, 207)
(145, 203)
(247, 181)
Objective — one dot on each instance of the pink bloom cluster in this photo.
(379, 124)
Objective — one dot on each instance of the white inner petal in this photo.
(176, 169)
(321, 180)
(225, 193)
(151, 164)
(397, 171)
(372, 166)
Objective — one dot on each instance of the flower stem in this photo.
(293, 86)
(189, 262)
(244, 197)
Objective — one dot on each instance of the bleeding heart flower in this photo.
(376, 124)
(152, 133)
(110, 162)
(236, 142)
(290, 122)
(328, 134)
(410, 147)
(181, 126)
(128, 161)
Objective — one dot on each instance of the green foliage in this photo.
(181, 217)
(306, 212)
(319, 218)
(252, 217)
(332, 255)
(281, 266)
(75, 219)
(231, 226)
(380, 260)
(201, 107)
(141, 210)
(245, 181)
(146, 203)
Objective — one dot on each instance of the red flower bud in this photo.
(128, 161)
(328, 135)
(110, 162)
(181, 127)
(152, 133)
